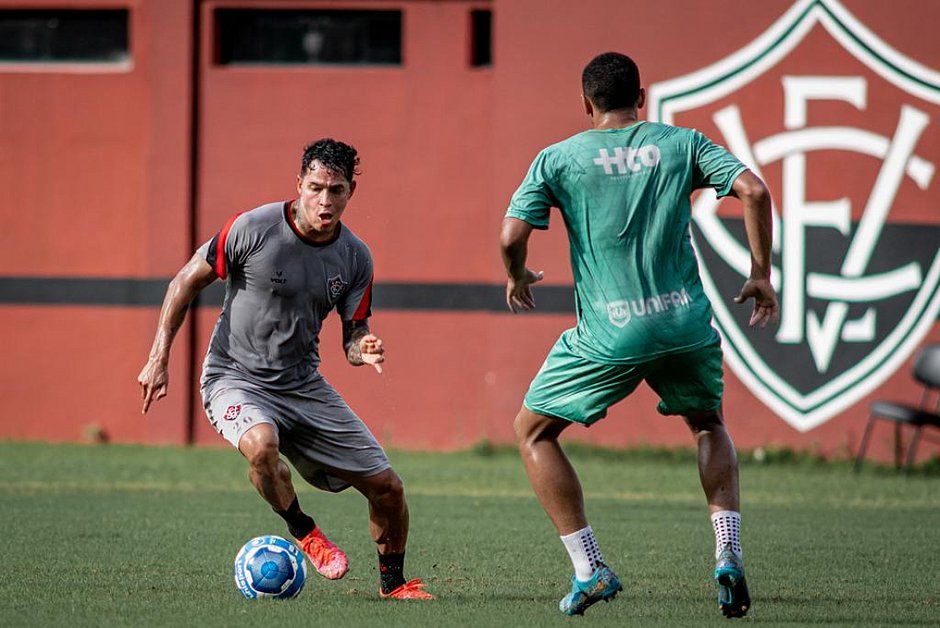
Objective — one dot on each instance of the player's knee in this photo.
(395, 488)
(704, 421)
(388, 489)
(262, 454)
(526, 426)
(531, 428)
(259, 445)
(524, 429)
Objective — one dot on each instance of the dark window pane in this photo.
(481, 38)
(63, 35)
(308, 37)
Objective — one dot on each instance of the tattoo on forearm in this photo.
(353, 331)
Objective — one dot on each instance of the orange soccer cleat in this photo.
(329, 560)
(411, 590)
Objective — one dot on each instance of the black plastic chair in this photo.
(927, 372)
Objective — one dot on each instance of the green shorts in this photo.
(573, 388)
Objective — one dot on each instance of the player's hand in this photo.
(372, 351)
(766, 309)
(153, 380)
(519, 292)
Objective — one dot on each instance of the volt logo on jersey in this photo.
(626, 159)
(844, 128)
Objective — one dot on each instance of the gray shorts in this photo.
(317, 431)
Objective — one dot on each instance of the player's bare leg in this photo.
(718, 471)
(717, 461)
(271, 477)
(554, 480)
(388, 510)
(388, 524)
(558, 490)
(268, 473)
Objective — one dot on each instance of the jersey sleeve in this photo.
(227, 248)
(533, 201)
(713, 166)
(356, 303)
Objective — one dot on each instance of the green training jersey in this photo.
(624, 195)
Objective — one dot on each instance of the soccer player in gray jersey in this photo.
(286, 266)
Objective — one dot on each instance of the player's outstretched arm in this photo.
(189, 281)
(362, 347)
(514, 244)
(757, 223)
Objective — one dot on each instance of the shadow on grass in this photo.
(493, 596)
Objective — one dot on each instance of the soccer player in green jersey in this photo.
(623, 189)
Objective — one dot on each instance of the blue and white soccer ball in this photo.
(270, 566)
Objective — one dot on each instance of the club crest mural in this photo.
(845, 131)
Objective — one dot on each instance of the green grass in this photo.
(131, 536)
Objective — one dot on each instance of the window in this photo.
(63, 36)
(288, 36)
(481, 38)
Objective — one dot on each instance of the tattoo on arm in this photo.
(353, 331)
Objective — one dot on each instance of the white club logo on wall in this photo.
(856, 233)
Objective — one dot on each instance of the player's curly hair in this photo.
(611, 81)
(334, 155)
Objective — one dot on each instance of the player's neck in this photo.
(614, 119)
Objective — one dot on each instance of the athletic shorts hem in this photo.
(244, 431)
(554, 415)
(665, 410)
(364, 473)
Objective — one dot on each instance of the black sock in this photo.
(391, 568)
(298, 522)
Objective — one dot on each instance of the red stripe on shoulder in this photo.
(365, 306)
(221, 267)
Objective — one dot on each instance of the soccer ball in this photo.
(270, 566)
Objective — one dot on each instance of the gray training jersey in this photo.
(280, 286)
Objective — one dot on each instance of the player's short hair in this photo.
(334, 155)
(611, 81)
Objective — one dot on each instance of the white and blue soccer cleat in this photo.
(603, 585)
(733, 597)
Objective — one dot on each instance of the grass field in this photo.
(130, 536)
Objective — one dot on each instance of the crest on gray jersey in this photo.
(336, 286)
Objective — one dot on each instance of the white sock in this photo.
(727, 524)
(584, 553)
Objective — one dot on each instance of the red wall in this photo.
(96, 181)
